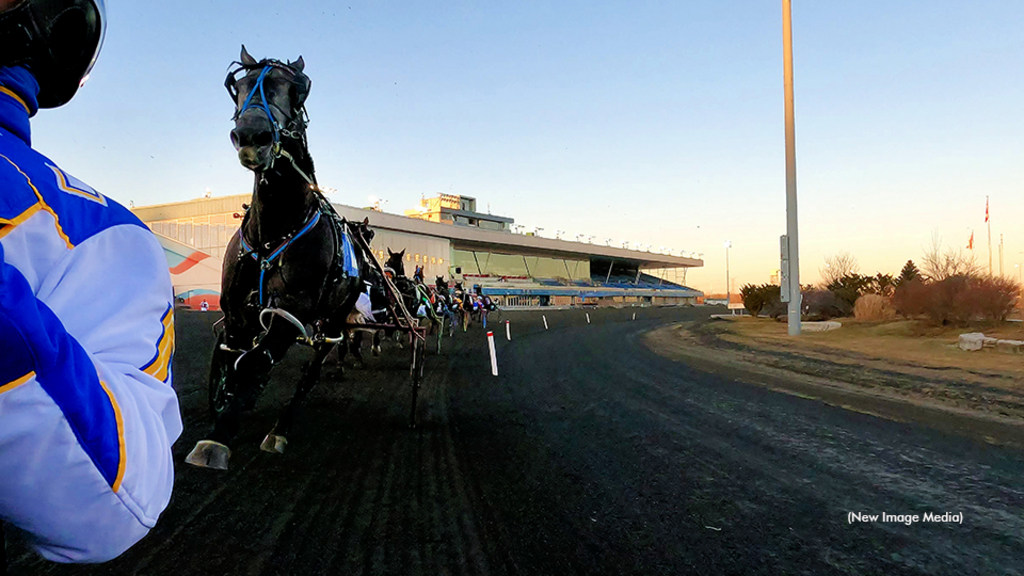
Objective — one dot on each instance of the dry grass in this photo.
(906, 341)
(872, 307)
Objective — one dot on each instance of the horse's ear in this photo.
(247, 60)
(390, 253)
(366, 221)
(299, 64)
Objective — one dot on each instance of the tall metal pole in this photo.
(989, 237)
(728, 284)
(795, 304)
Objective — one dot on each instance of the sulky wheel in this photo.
(219, 366)
(419, 349)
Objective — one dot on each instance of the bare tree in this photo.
(937, 265)
(838, 266)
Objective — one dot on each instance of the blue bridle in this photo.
(263, 103)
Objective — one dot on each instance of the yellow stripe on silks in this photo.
(122, 453)
(12, 385)
(42, 203)
(12, 94)
(7, 226)
(165, 349)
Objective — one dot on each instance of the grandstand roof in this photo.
(467, 237)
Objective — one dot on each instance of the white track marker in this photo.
(634, 315)
(494, 359)
(588, 317)
(545, 322)
(508, 331)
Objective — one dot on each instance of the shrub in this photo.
(873, 307)
(883, 285)
(760, 298)
(753, 299)
(958, 300)
(990, 298)
(824, 305)
(850, 287)
(911, 298)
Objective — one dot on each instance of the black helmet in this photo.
(58, 40)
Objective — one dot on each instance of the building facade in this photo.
(517, 269)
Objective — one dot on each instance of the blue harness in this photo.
(348, 254)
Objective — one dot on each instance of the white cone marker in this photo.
(588, 317)
(508, 331)
(494, 359)
(545, 322)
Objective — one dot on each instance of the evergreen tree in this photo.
(908, 273)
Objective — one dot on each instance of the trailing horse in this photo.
(292, 273)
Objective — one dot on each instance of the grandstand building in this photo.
(450, 239)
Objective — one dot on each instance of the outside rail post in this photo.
(494, 359)
(588, 317)
(634, 315)
(508, 331)
(545, 322)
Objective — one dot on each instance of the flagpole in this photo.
(987, 221)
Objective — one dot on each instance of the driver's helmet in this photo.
(58, 40)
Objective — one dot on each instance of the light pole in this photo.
(793, 244)
(728, 291)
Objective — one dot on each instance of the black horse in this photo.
(395, 265)
(291, 273)
(445, 304)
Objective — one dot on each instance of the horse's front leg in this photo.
(375, 343)
(243, 378)
(277, 439)
(355, 346)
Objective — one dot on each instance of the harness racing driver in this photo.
(87, 411)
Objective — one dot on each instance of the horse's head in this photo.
(441, 284)
(363, 230)
(270, 98)
(396, 262)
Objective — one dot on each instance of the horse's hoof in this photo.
(274, 444)
(209, 454)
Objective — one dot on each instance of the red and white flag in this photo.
(970, 243)
(986, 209)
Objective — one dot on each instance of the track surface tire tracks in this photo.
(588, 454)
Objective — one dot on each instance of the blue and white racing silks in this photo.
(87, 411)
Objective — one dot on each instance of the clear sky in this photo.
(655, 122)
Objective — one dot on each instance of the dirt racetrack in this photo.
(589, 454)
